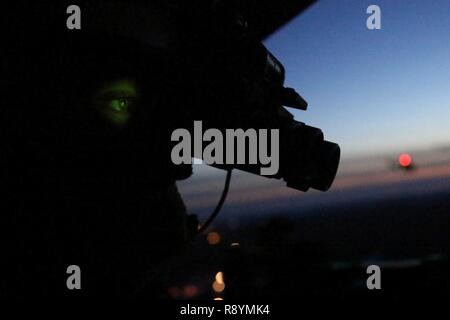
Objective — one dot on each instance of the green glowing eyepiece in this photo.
(115, 101)
(119, 105)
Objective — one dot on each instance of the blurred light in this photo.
(218, 298)
(213, 238)
(175, 292)
(218, 287)
(190, 291)
(405, 160)
(235, 244)
(219, 277)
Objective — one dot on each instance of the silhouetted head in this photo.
(90, 159)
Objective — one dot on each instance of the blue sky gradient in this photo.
(371, 91)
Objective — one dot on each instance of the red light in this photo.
(405, 160)
(190, 291)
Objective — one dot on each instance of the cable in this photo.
(219, 205)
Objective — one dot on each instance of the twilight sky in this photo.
(371, 91)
